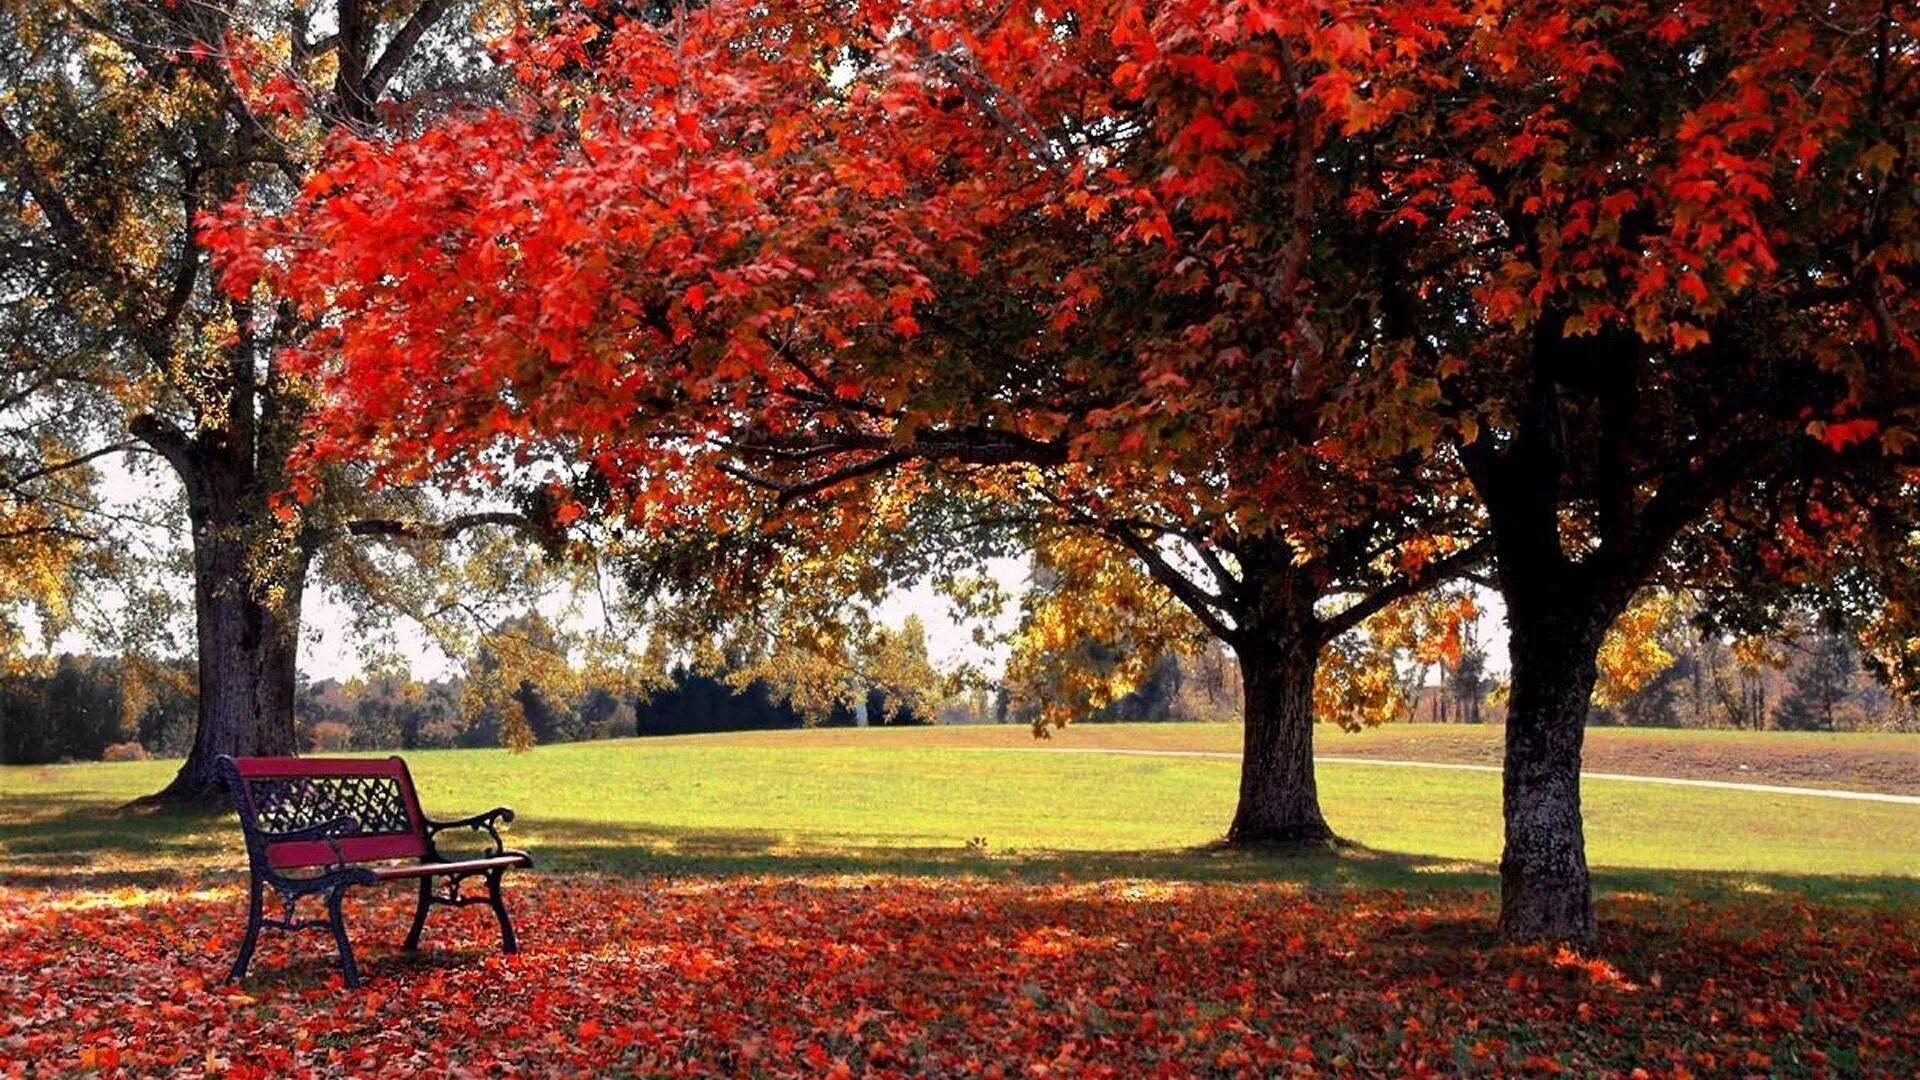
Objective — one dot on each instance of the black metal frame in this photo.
(452, 898)
(333, 879)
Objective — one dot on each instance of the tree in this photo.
(1820, 684)
(68, 708)
(121, 126)
(1094, 629)
(1245, 302)
(528, 678)
(822, 668)
(902, 685)
(789, 299)
(48, 499)
(1661, 262)
(1470, 683)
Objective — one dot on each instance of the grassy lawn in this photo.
(933, 903)
(933, 801)
(1847, 760)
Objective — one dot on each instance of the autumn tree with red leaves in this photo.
(1258, 294)
(761, 268)
(1662, 262)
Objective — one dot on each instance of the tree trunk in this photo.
(1279, 801)
(249, 566)
(1545, 889)
(247, 625)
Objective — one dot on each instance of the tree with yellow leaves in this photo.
(123, 126)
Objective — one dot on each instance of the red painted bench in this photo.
(319, 826)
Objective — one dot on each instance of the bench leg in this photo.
(420, 915)
(241, 962)
(499, 906)
(336, 920)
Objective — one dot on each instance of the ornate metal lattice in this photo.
(282, 804)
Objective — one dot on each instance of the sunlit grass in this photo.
(902, 802)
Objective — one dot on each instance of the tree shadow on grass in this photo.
(65, 842)
(651, 850)
(948, 978)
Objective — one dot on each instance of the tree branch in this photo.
(872, 466)
(400, 529)
(1197, 600)
(61, 531)
(1203, 603)
(1442, 569)
(1681, 499)
(170, 443)
(45, 471)
(400, 49)
(52, 203)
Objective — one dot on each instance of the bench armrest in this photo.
(478, 822)
(328, 832)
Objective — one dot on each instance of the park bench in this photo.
(319, 826)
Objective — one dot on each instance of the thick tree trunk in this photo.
(1545, 890)
(247, 622)
(249, 567)
(1279, 801)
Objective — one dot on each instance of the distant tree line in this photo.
(523, 686)
(1811, 679)
(84, 708)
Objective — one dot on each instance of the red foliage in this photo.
(666, 230)
(617, 266)
(887, 976)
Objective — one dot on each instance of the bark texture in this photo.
(248, 648)
(1279, 799)
(1545, 888)
(249, 572)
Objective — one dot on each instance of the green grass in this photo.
(1334, 742)
(1863, 761)
(903, 802)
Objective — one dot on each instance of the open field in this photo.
(927, 798)
(1860, 762)
(935, 902)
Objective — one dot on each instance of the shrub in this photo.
(329, 735)
(125, 751)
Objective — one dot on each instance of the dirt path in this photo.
(1885, 763)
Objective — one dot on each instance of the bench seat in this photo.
(463, 866)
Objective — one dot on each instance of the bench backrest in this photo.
(276, 795)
